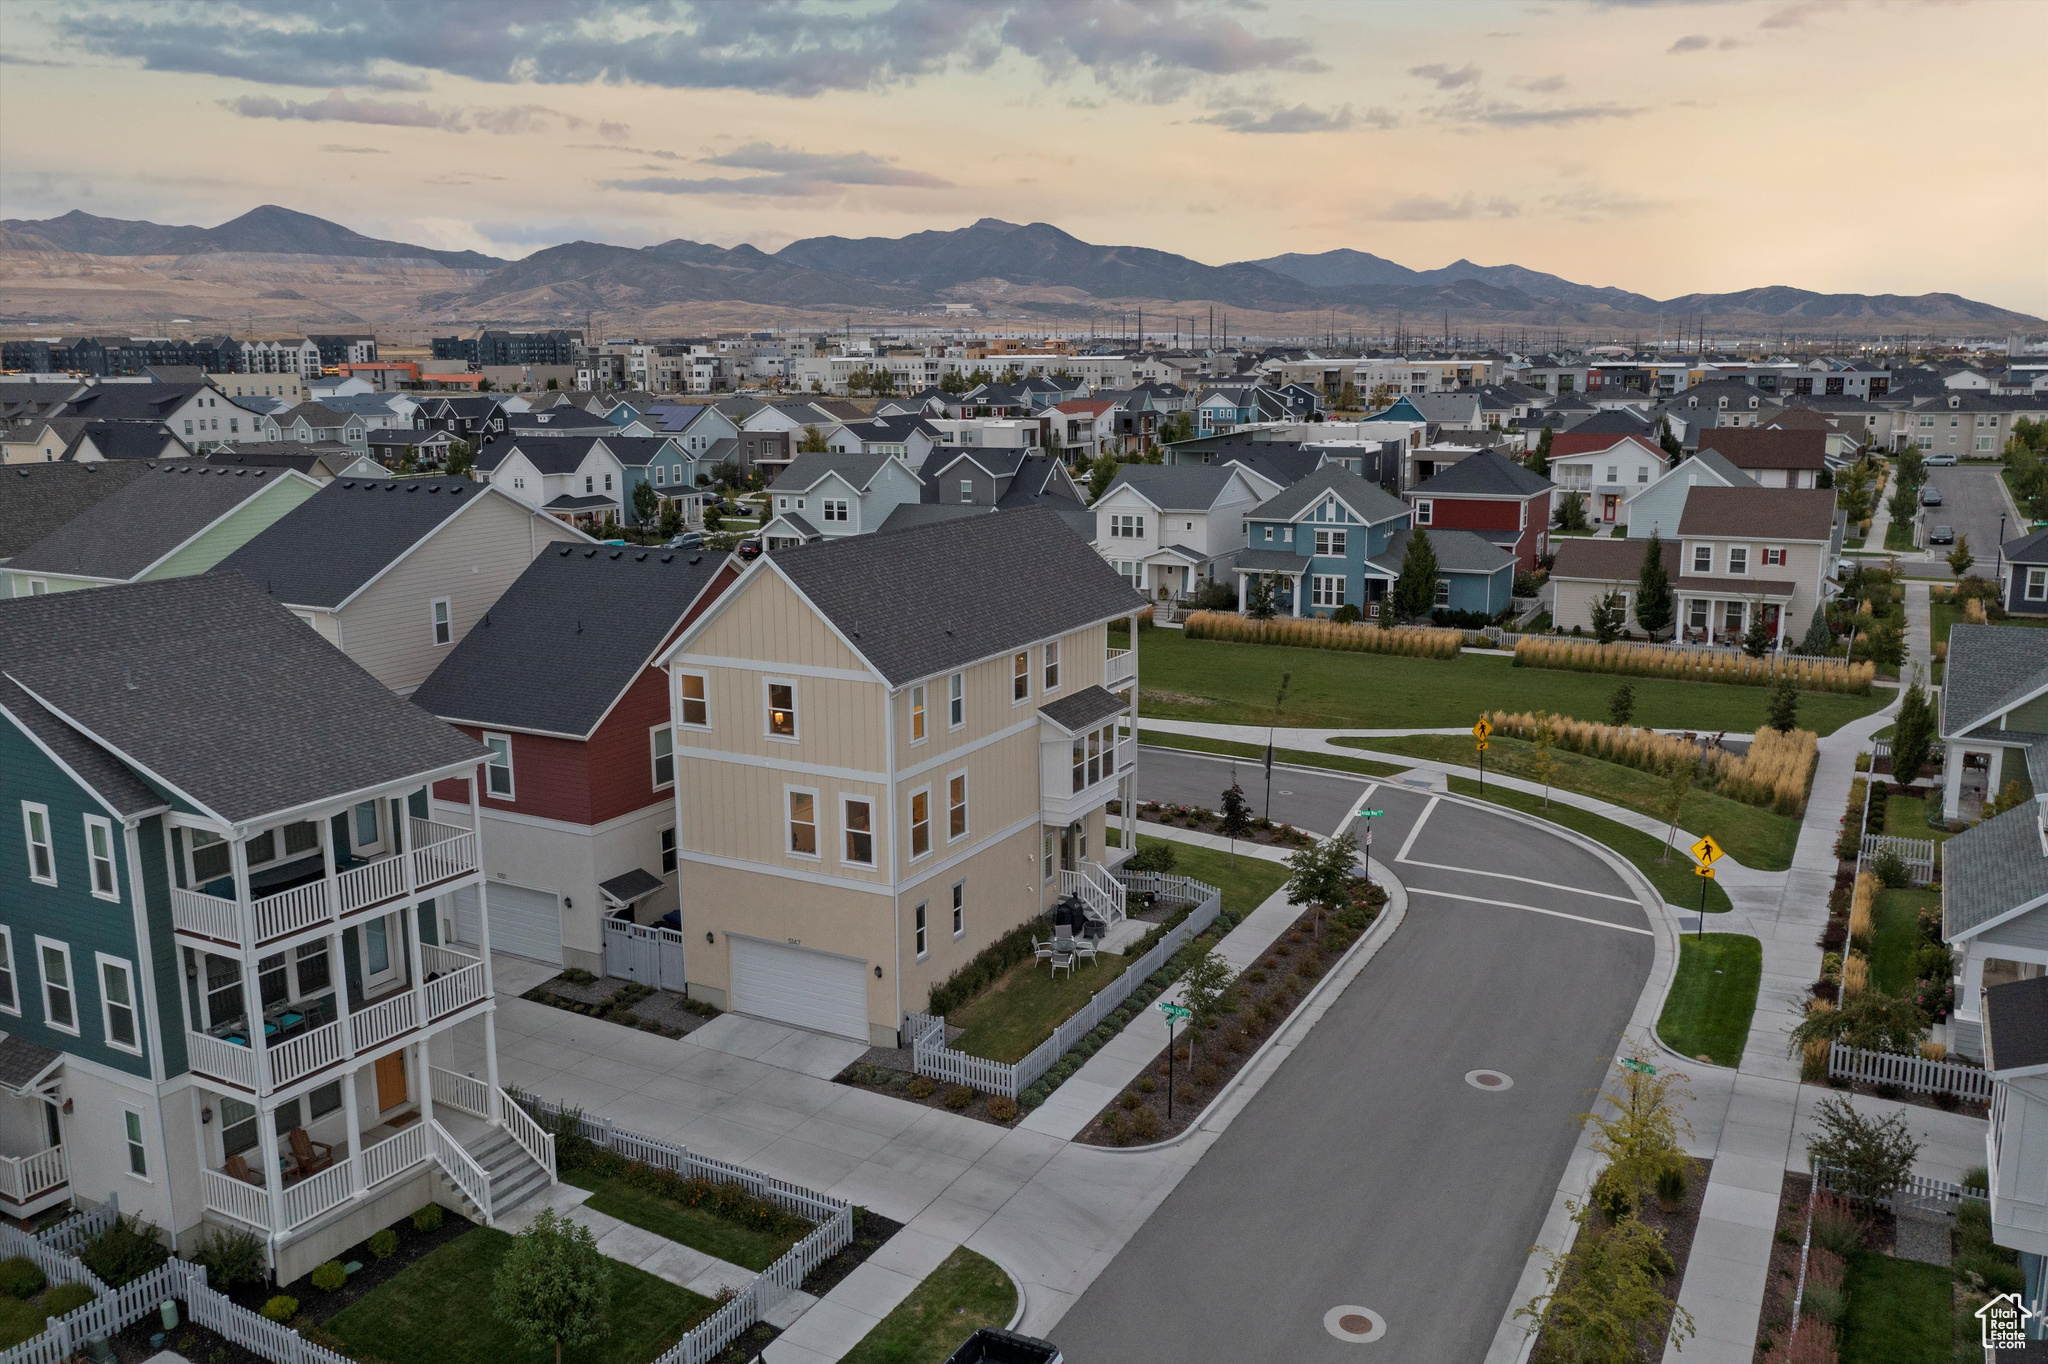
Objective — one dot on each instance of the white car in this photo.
(1938, 461)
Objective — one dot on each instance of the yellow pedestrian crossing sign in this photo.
(1482, 731)
(1481, 746)
(1703, 870)
(1706, 852)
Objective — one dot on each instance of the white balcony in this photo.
(302, 1200)
(1072, 785)
(1120, 669)
(30, 1183)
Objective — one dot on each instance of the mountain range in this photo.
(1035, 266)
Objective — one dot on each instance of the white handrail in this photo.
(449, 993)
(315, 1194)
(384, 1020)
(532, 1138)
(209, 916)
(462, 1168)
(395, 1155)
(288, 911)
(464, 1092)
(243, 1201)
(24, 1177)
(220, 1058)
(371, 883)
(306, 1053)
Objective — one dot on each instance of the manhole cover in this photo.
(1488, 1079)
(1360, 1325)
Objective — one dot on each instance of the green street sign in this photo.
(1630, 1063)
(1176, 1012)
(1370, 814)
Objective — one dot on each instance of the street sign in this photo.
(1481, 730)
(1482, 746)
(1643, 1067)
(1706, 850)
(1176, 1013)
(1705, 871)
(1370, 814)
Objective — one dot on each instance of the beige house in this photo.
(891, 750)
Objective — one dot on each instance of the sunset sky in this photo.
(1884, 146)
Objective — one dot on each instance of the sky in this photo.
(1665, 147)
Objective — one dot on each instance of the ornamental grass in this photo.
(1409, 641)
(1773, 775)
(1863, 910)
(1694, 665)
(1855, 975)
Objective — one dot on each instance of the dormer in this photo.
(1954, 402)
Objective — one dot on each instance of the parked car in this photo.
(1938, 461)
(1942, 535)
(689, 539)
(750, 548)
(1930, 496)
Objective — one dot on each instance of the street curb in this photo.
(1347, 968)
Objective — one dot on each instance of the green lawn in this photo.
(1184, 679)
(962, 1295)
(1945, 614)
(1898, 537)
(438, 1311)
(1197, 743)
(1756, 838)
(1005, 1021)
(1895, 938)
(1707, 1012)
(19, 1321)
(1906, 817)
(693, 1227)
(1900, 1312)
(1673, 879)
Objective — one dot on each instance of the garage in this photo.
(524, 922)
(795, 985)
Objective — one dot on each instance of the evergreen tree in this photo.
(1668, 441)
(1757, 640)
(1100, 475)
(671, 518)
(1607, 617)
(645, 503)
(1540, 461)
(1415, 590)
(1912, 735)
(1654, 604)
(1236, 815)
(1258, 603)
(1960, 557)
(461, 460)
(1785, 707)
(1621, 707)
(813, 442)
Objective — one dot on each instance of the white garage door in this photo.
(795, 985)
(526, 923)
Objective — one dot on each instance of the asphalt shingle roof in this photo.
(1762, 513)
(1990, 869)
(1759, 448)
(1457, 551)
(1088, 706)
(1488, 473)
(924, 601)
(2028, 549)
(2016, 1025)
(1369, 500)
(113, 780)
(568, 637)
(36, 499)
(1175, 487)
(328, 546)
(806, 469)
(22, 1063)
(1990, 667)
(911, 515)
(220, 692)
(127, 532)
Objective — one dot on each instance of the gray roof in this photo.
(1047, 580)
(806, 469)
(911, 515)
(1618, 421)
(1369, 500)
(1991, 869)
(130, 402)
(406, 435)
(797, 524)
(1442, 407)
(1086, 707)
(35, 499)
(568, 637)
(581, 502)
(1175, 487)
(1990, 667)
(2028, 549)
(550, 454)
(104, 774)
(557, 419)
(1457, 551)
(640, 451)
(629, 886)
(1270, 561)
(22, 1063)
(1486, 474)
(221, 693)
(1718, 462)
(2016, 1025)
(326, 548)
(127, 532)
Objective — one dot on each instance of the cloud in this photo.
(1796, 15)
(1445, 78)
(339, 108)
(787, 172)
(1299, 118)
(1494, 113)
(16, 59)
(519, 119)
(1545, 85)
(613, 132)
(1425, 209)
(1587, 204)
(354, 151)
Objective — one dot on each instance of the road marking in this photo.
(1527, 880)
(1533, 909)
(1422, 819)
(1364, 796)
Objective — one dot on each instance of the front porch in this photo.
(1725, 620)
(35, 1174)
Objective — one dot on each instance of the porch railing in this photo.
(1118, 669)
(289, 911)
(26, 1177)
(531, 1136)
(1916, 1074)
(1101, 893)
(446, 994)
(385, 1019)
(306, 1053)
(221, 1059)
(239, 1199)
(440, 851)
(395, 1155)
(371, 883)
(461, 1166)
(463, 1092)
(315, 1194)
(207, 915)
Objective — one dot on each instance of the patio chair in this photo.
(238, 1168)
(1063, 962)
(1040, 951)
(1084, 950)
(310, 1156)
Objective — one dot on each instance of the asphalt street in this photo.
(1972, 503)
(1369, 1172)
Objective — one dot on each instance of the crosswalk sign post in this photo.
(1705, 853)
(1480, 732)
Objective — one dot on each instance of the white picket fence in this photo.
(67, 1236)
(1914, 1073)
(1919, 1189)
(1919, 854)
(931, 1056)
(832, 1233)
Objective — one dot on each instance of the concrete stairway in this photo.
(515, 1176)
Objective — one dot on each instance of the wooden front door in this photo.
(391, 1091)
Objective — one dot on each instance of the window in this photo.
(857, 819)
(117, 1004)
(1738, 558)
(498, 767)
(1020, 677)
(323, 1100)
(9, 1001)
(589, 484)
(1051, 853)
(1984, 443)
(1326, 589)
(60, 1009)
(42, 858)
(920, 823)
(1425, 512)
(1329, 544)
(1443, 592)
(1124, 526)
(922, 950)
(1703, 558)
(668, 850)
(696, 712)
(1614, 473)
(2037, 584)
(959, 909)
(956, 807)
(660, 475)
(781, 709)
(99, 853)
(803, 823)
(1774, 557)
(1094, 757)
(1132, 573)
(836, 509)
(956, 700)
(966, 490)
(237, 1127)
(917, 714)
(1642, 473)
(664, 741)
(1699, 613)
(1052, 666)
(607, 482)
(444, 625)
(138, 1157)
(312, 967)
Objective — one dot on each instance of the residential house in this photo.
(1504, 502)
(1842, 441)
(471, 419)
(577, 479)
(395, 572)
(909, 439)
(2015, 1034)
(569, 421)
(1968, 425)
(35, 498)
(1994, 889)
(175, 520)
(1604, 470)
(1655, 510)
(558, 681)
(832, 495)
(1993, 710)
(397, 446)
(1169, 529)
(81, 440)
(1134, 421)
(310, 422)
(1459, 410)
(233, 997)
(1588, 571)
(697, 426)
(1775, 458)
(1714, 405)
(1082, 429)
(379, 411)
(892, 750)
(193, 412)
(322, 461)
(2023, 574)
(662, 463)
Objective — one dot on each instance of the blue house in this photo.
(1334, 540)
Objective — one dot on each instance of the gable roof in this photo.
(1765, 513)
(1603, 559)
(105, 775)
(1765, 448)
(2016, 1025)
(1174, 487)
(1991, 667)
(2027, 549)
(1991, 870)
(807, 470)
(130, 402)
(1048, 580)
(327, 548)
(568, 637)
(1610, 421)
(137, 526)
(1573, 444)
(1486, 474)
(159, 672)
(1457, 551)
(35, 499)
(1372, 502)
(548, 454)
(911, 515)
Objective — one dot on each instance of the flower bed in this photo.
(1694, 665)
(1264, 831)
(1676, 1222)
(1412, 641)
(629, 1003)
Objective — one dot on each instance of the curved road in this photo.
(1368, 1171)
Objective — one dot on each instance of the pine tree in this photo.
(1621, 707)
(1785, 707)
(1415, 589)
(1607, 618)
(1654, 605)
(1757, 640)
(1912, 735)
(1258, 602)
(1100, 475)
(1540, 461)
(1236, 815)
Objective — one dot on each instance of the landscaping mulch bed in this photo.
(624, 1002)
(1270, 833)
(195, 1343)
(871, 1231)
(316, 1306)
(1264, 997)
(920, 1089)
(1968, 1107)
(1783, 1279)
(1679, 1223)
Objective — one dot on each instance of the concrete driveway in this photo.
(1369, 1171)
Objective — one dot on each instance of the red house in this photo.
(556, 679)
(1493, 497)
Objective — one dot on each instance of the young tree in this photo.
(1258, 603)
(553, 1286)
(461, 459)
(1101, 474)
(1869, 1157)
(1676, 789)
(1654, 605)
(1871, 1020)
(1322, 872)
(1667, 441)
(1382, 396)
(1571, 512)
(953, 381)
(813, 442)
(2011, 798)
(1621, 706)
(1544, 766)
(1904, 501)
(1959, 556)
(1604, 1302)
(1912, 735)
(1205, 990)
(1415, 590)
(1640, 1136)
(1757, 640)
(646, 502)
(714, 519)
(1540, 461)
(1785, 707)
(671, 518)
(1608, 619)
(1852, 493)
(1347, 397)
(1236, 812)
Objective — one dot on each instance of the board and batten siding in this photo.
(238, 528)
(470, 559)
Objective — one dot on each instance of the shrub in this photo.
(65, 1298)
(576, 975)
(921, 1086)
(1613, 1196)
(985, 969)
(384, 1244)
(1809, 674)
(1147, 1085)
(1772, 775)
(1153, 857)
(281, 1308)
(959, 1097)
(124, 1251)
(330, 1276)
(1836, 1228)
(1145, 1122)
(1002, 1108)
(1671, 1186)
(1346, 614)
(230, 1257)
(427, 1218)
(19, 1278)
(1891, 870)
(1128, 1099)
(1117, 1125)
(1207, 1075)
(1413, 642)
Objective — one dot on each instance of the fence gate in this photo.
(646, 953)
